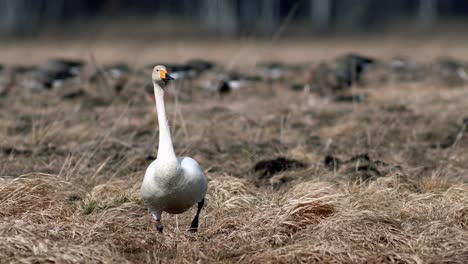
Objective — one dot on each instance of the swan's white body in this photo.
(173, 187)
(171, 184)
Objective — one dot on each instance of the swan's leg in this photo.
(194, 225)
(157, 217)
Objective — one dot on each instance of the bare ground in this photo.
(71, 170)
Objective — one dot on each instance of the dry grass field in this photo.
(378, 181)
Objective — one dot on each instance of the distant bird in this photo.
(52, 74)
(346, 70)
(450, 71)
(118, 70)
(7, 78)
(171, 184)
(274, 71)
(225, 82)
(201, 65)
(354, 65)
(406, 69)
(115, 76)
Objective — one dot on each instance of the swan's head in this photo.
(160, 75)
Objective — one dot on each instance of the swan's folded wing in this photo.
(194, 173)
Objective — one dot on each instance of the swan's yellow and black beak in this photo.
(165, 76)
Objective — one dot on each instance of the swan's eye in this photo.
(157, 70)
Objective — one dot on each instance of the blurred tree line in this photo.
(230, 17)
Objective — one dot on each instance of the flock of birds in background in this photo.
(173, 184)
(329, 78)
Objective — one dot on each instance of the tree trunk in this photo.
(353, 15)
(427, 13)
(269, 16)
(20, 17)
(320, 14)
(220, 16)
(248, 16)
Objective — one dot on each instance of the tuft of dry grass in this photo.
(311, 222)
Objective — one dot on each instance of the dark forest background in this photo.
(23, 18)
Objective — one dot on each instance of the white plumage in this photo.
(171, 184)
(173, 188)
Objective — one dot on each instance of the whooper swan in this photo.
(171, 184)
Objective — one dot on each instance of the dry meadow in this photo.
(378, 181)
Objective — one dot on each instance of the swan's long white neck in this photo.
(165, 148)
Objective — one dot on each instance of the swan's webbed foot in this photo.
(157, 217)
(194, 226)
(159, 226)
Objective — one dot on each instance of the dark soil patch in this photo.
(359, 167)
(267, 168)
